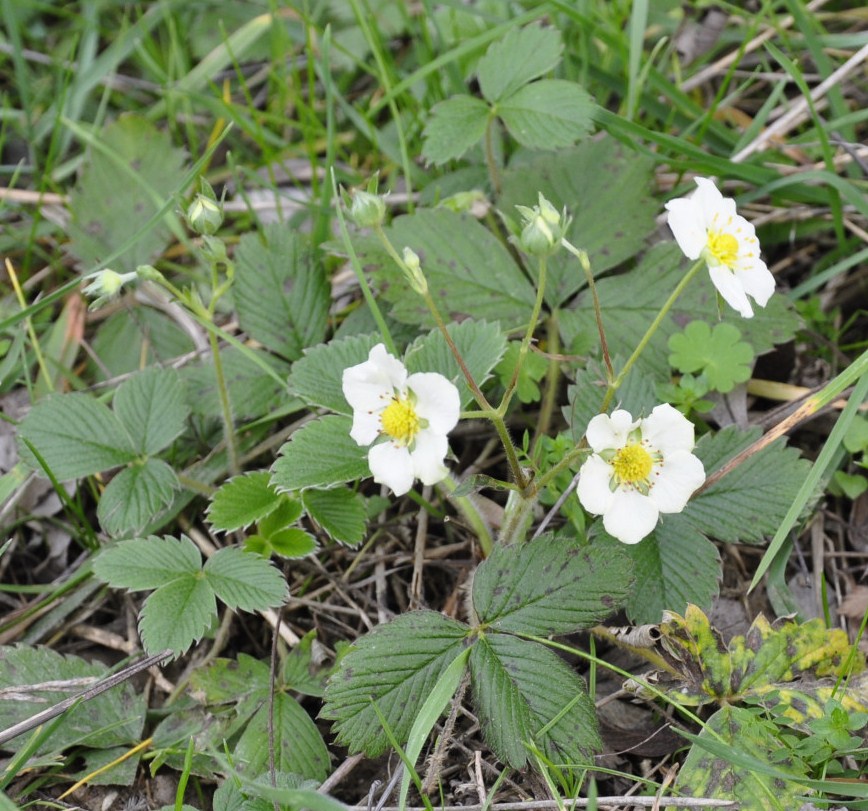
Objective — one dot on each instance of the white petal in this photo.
(687, 225)
(593, 488)
(757, 281)
(389, 366)
(631, 516)
(675, 480)
(606, 431)
(369, 386)
(437, 400)
(731, 289)
(666, 429)
(717, 211)
(391, 465)
(429, 451)
(366, 427)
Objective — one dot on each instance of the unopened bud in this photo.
(105, 285)
(544, 228)
(367, 210)
(205, 213)
(414, 272)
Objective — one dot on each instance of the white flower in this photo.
(105, 285)
(412, 413)
(639, 469)
(705, 225)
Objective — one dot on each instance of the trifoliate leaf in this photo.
(520, 56)
(127, 178)
(480, 343)
(288, 511)
(610, 225)
(742, 736)
(76, 435)
(675, 565)
(393, 667)
(469, 271)
(533, 369)
(749, 503)
(280, 290)
(226, 681)
(718, 353)
(298, 745)
(152, 408)
(339, 511)
(245, 581)
(135, 496)
(454, 126)
(549, 586)
(527, 696)
(320, 454)
(317, 376)
(177, 614)
(147, 563)
(242, 500)
(548, 114)
(112, 719)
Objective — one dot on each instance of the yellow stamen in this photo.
(723, 247)
(632, 463)
(400, 421)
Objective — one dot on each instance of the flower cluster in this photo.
(705, 225)
(410, 414)
(638, 469)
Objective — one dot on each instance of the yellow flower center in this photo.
(400, 420)
(723, 247)
(632, 464)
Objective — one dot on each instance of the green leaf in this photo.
(675, 565)
(856, 438)
(480, 343)
(122, 185)
(317, 376)
(526, 695)
(339, 511)
(241, 501)
(151, 407)
(135, 496)
(226, 681)
(453, 127)
(147, 563)
(292, 543)
(125, 344)
(520, 56)
(548, 114)
(76, 435)
(299, 671)
(280, 290)
(115, 718)
(532, 371)
(246, 581)
(177, 614)
(715, 777)
(395, 666)
(750, 502)
(606, 188)
(469, 271)
(718, 353)
(298, 745)
(549, 586)
(319, 454)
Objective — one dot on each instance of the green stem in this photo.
(225, 406)
(517, 517)
(679, 289)
(469, 510)
(582, 256)
(553, 374)
(525, 343)
(360, 274)
(490, 162)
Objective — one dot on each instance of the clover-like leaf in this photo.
(243, 500)
(520, 56)
(454, 126)
(718, 353)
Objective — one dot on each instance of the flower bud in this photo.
(413, 270)
(544, 228)
(367, 210)
(105, 285)
(205, 212)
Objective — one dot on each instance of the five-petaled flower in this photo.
(705, 225)
(412, 414)
(638, 469)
